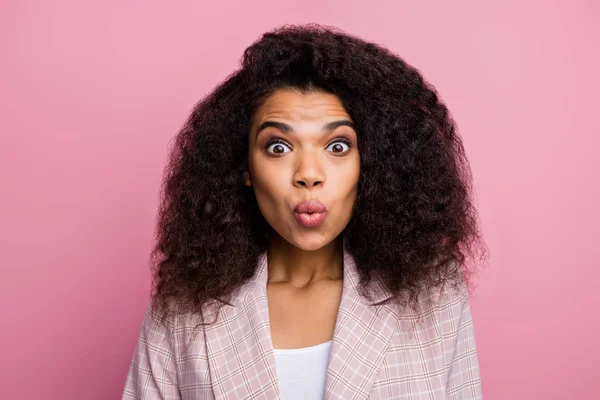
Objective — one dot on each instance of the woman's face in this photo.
(303, 147)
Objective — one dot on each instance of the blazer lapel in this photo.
(240, 348)
(362, 335)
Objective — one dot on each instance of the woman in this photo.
(313, 235)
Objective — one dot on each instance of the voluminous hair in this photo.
(414, 225)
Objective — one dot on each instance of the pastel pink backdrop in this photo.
(92, 92)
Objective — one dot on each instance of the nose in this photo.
(309, 171)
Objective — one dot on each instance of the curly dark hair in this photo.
(414, 222)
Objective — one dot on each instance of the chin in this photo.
(310, 247)
(310, 241)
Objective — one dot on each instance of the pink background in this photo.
(92, 93)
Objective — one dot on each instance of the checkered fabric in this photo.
(377, 351)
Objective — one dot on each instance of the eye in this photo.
(278, 146)
(338, 145)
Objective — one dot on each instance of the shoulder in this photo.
(450, 296)
(172, 330)
(448, 306)
(155, 322)
(440, 309)
(447, 315)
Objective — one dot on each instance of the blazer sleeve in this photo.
(153, 370)
(463, 377)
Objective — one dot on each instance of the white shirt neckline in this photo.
(302, 349)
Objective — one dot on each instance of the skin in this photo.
(305, 270)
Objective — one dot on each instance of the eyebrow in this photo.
(287, 128)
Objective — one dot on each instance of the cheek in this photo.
(269, 184)
(346, 181)
(347, 195)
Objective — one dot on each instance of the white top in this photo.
(301, 372)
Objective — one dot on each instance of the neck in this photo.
(300, 268)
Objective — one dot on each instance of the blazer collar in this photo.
(240, 348)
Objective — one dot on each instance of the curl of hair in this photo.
(414, 224)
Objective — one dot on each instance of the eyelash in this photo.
(340, 139)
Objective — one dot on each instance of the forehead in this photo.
(290, 104)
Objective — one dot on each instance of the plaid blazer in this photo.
(374, 354)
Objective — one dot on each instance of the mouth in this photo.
(310, 220)
(310, 207)
(310, 213)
